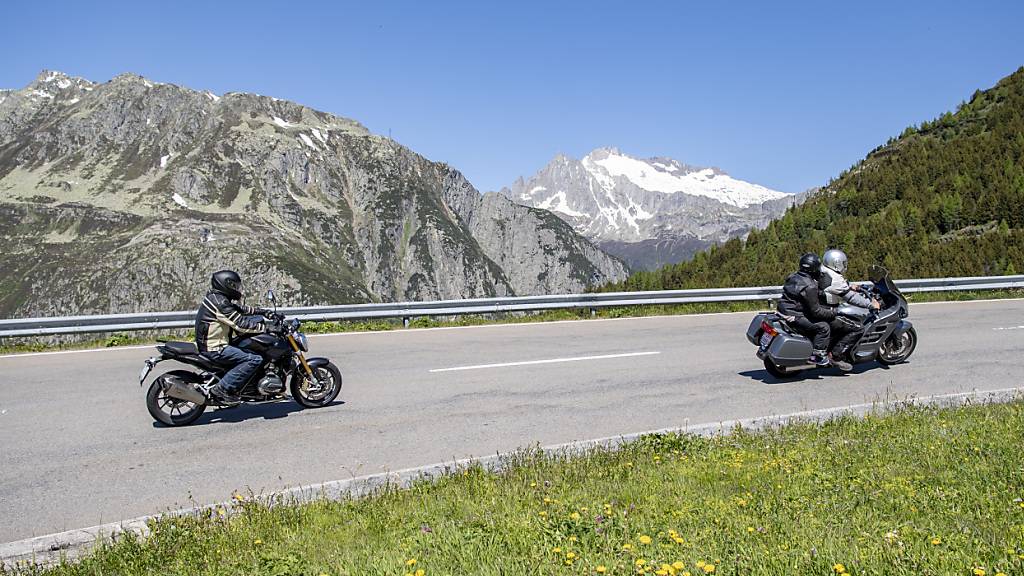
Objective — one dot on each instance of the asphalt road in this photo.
(78, 448)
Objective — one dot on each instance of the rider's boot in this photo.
(839, 362)
(223, 395)
(819, 358)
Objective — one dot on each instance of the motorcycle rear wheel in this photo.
(171, 411)
(776, 372)
(896, 350)
(320, 393)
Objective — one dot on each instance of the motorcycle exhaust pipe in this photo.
(179, 390)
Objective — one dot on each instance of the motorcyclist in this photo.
(801, 306)
(220, 321)
(834, 263)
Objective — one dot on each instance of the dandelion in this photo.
(1000, 573)
(661, 572)
(640, 562)
(600, 569)
(533, 484)
(839, 569)
(750, 529)
(575, 516)
(627, 546)
(237, 497)
(410, 562)
(547, 500)
(542, 513)
(936, 541)
(709, 568)
(677, 540)
(570, 555)
(420, 572)
(701, 564)
(979, 571)
(645, 539)
(257, 541)
(556, 549)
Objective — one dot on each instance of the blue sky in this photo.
(785, 94)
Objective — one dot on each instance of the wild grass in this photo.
(921, 491)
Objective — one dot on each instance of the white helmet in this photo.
(835, 260)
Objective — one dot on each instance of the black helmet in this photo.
(228, 283)
(810, 263)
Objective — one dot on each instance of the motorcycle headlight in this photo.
(303, 341)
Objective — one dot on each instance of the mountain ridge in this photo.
(125, 195)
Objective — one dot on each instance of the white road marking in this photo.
(56, 352)
(548, 361)
(1010, 328)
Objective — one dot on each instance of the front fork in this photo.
(302, 357)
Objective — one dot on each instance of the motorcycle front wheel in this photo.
(898, 348)
(321, 390)
(171, 411)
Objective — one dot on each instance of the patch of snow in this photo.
(706, 182)
(87, 88)
(665, 167)
(283, 123)
(163, 161)
(179, 200)
(212, 96)
(72, 101)
(63, 83)
(147, 83)
(51, 76)
(321, 135)
(308, 141)
(558, 203)
(534, 190)
(42, 93)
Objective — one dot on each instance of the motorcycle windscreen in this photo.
(880, 276)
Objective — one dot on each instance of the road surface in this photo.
(79, 448)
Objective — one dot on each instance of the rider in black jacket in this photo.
(802, 307)
(219, 323)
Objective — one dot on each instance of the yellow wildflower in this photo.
(645, 539)
(750, 529)
(839, 569)
(677, 540)
(709, 568)
(1000, 573)
(572, 538)
(936, 541)
(600, 569)
(627, 546)
(556, 549)
(542, 513)
(575, 516)
(533, 484)
(979, 572)
(701, 563)
(547, 500)
(420, 572)
(678, 565)
(257, 541)
(570, 555)
(640, 562)
(238, 497)
(410, 562)
(661, 572)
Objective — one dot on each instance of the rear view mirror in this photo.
(271, 297)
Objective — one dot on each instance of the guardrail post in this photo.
(405, 321)
(593, 311)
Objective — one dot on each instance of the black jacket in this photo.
(219, 321)
(801, 296)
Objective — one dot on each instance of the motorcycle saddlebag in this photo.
(754, 330)
(790, 349)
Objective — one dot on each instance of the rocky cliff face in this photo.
(649, 212)
(124, 196)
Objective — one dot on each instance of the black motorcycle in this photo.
(179, 397)
(887, 337)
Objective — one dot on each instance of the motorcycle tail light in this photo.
(769, 329)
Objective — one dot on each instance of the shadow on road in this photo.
(762, 375)
(270, 411)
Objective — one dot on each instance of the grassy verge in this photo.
(20, 345)
(919, 491)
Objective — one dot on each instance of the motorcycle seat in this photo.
(181, 348)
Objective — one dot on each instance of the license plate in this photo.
(145, 372)
(766, 339)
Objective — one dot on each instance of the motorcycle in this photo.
(888, 336)
(179, 397)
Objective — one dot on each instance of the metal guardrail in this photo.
(407, 310)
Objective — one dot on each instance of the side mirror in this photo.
(271, 297)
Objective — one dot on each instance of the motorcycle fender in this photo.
(316, 362)
(901, 327)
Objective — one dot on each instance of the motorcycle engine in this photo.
(271, 384)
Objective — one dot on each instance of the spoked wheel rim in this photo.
(175, 409)
(320, 386)
(898, 349)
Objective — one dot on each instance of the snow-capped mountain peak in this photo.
(670, 177)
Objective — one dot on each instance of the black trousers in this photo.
(819, 332)
(845, 333)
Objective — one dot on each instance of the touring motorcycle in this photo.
(179, 397)
(888, 336)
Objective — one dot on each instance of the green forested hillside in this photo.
(946, 198)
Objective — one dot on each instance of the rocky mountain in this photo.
(125, 196)
(649, 212)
